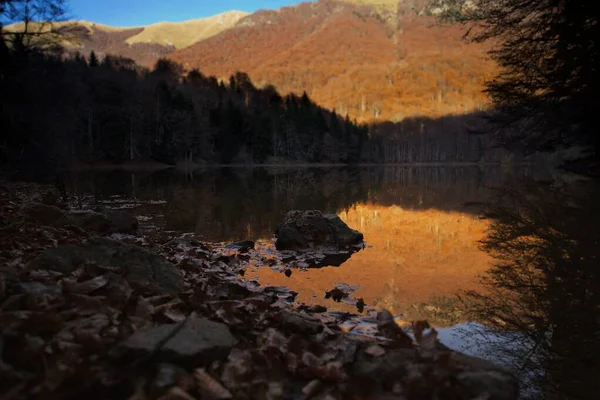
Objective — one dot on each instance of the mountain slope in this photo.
(186, 33)
(144, 44)
(368, 63)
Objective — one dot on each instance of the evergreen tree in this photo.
(94, 62)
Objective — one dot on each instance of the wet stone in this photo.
(199, 339)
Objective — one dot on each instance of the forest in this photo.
(61, 109)
(112, 110)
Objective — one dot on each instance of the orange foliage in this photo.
(346, 57)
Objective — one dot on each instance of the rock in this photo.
(242, 246)
(299, 323)
(120, 221)
(9, 281)
(144, 267)
(199, 339)
(50, 198)
(40, 289)
(42, 213)
(473, 379)
(494, 384)
(314, 309)
(332, 258)
(335, 294)
(88, 220)
(102, 220)
(65, 258)
(302, 229)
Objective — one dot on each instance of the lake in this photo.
(420, 225)
(537, 313)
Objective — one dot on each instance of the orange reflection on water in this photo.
(415, 256)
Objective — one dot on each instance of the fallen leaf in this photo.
(176, 393)
(88, 286)
(312, 388)
(209, 386)
(375, 350)
(138, 392)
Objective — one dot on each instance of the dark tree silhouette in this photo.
(547, 92)
(37, 23)
(544, 288)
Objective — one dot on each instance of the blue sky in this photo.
(143, 12)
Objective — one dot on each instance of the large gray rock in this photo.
(42, 213)
(470, 377)
(144, 267)
(102, 220)
(199, 339)
(302, 229)
(88, 220)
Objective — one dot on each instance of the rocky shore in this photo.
(91, 309)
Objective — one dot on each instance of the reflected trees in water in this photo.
(543, 290)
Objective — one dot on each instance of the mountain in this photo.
(186, 33)
(371, 61)
(144, 44)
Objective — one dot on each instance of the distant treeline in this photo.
(60, 110)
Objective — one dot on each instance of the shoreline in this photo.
(198, 167)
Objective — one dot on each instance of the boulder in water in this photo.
(303, 229)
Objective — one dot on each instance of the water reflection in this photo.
(415, 263)
(223, 204)
(543, 291)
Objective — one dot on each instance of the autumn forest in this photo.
(325, 82)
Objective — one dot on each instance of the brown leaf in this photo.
(334, 371)
(166, 306)
(88, 286)
(312, 388)
(273, 338)
(209, 386)
(174, 315)
(238, 370)
(310, 360)
(176, 393)
(375, 350)
(139, 392)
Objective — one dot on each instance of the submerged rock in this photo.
(198, 339)
(303, 229)
(242, 246)
(144, 267)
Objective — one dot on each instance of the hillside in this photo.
(186, 33)
(144, 44)
(373, 60)
(370, 63)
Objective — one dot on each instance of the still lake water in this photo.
(422, 235)
(540, 314)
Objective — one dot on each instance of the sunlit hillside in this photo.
(144, 44)
(347, 57)
(186, 33)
